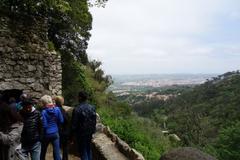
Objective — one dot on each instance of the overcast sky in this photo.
(166, 36)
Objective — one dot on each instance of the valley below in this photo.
(199, 111)
(139, 88)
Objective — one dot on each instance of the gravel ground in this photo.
(49, 155)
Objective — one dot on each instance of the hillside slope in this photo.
(206, 116)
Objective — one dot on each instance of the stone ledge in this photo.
(122, 146)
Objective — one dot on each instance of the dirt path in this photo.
(49, 155)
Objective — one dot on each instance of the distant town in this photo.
(138, 88)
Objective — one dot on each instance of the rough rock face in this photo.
(186, 153)
(25, 60)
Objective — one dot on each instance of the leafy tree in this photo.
(95, 65)
(74, 80)
(69, 23)
(197, 116)
(227, 145)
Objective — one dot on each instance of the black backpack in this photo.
(87, 124)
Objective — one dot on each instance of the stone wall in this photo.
(25, 60)
(101, 148)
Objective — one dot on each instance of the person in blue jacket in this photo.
(51, 118)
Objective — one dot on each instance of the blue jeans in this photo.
(54, 139)
(84, 147)
(34, 151)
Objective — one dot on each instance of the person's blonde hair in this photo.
(59, 100)
(46, 100)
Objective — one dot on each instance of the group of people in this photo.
(26, 130)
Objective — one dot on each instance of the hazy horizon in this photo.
(159, 36)
(132, 74)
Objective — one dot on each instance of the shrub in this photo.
(227, 145)
(139, 133)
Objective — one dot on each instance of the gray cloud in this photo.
(166, 36)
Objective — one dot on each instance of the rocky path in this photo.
(107, 148)
(105, 145)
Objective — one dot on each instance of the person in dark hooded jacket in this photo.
(32, 130)
(83, 125)
(51, 118)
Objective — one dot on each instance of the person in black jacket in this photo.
(83, 126)
(32, 130)
(63, 128)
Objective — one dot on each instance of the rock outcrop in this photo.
(186, 153)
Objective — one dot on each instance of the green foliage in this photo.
(137, 96)
(198, 116)
(51, 46)
(42, 7)
(62, 6)
(94, 65)
(98, 3)
(99, 73)
(140, 133)
(69, 22)
(74, 79)
(81, 17)
(146, 108)
(227, 144)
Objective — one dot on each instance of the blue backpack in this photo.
(87, 118)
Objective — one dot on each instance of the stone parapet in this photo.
(115, 143)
